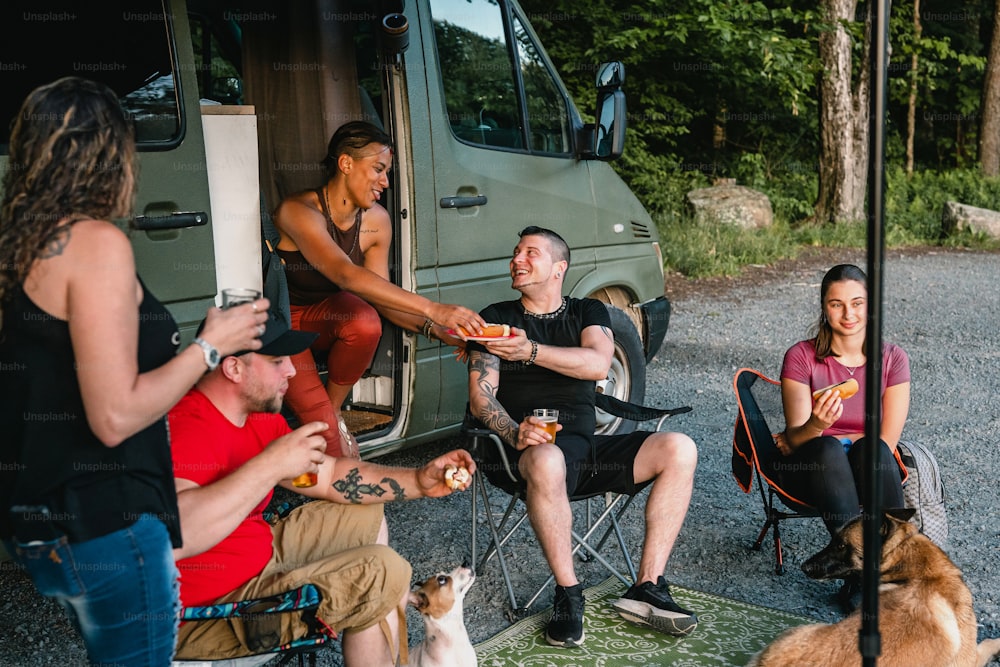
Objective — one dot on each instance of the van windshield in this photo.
(122, 44)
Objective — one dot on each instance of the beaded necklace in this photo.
(547, 316)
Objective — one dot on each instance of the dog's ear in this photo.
(891, 518)
(418, 599)
(901, 513)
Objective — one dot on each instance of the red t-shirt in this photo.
(802, 366)
(206, 447)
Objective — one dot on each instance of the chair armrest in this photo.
(636, 412)
(303, 598)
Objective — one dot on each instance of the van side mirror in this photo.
(610, 76)
(607, 141)
(609, 131)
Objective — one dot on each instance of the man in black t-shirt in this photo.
(559, 347)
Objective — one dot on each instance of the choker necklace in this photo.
(547, 316)
(357, 222)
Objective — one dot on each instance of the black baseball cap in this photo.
(278, 339)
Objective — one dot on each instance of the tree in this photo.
(989, 131)
(843, 156)
(911, 102)
(706, 82)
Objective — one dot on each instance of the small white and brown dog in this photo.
(439, 601)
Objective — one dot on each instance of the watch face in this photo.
(212, 357)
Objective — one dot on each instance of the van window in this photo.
(123, 44)
(548, 120)
(215, 47)
(482, 89)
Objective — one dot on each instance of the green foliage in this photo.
(912, 218)
(951, 57)
(695, 70)
(711, 250)
(730, 89)
(913, 206)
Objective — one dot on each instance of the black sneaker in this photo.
(566, 625)
(651, 605)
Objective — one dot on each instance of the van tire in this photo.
(627, 375)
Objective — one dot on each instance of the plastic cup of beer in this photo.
(549, 419)
(304, 480)
(234, 296)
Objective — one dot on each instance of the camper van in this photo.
(234, 104)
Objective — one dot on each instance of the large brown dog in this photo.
(925, 608)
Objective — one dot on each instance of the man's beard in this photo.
(269, 404)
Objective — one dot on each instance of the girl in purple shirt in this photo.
(823, 443)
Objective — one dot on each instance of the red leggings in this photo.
(349, 329)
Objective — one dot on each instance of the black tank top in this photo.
(48, 454)
(306, 285)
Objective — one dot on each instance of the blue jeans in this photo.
(120, 590)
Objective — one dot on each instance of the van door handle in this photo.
(177, 220)
(463, 202)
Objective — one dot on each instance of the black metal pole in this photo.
(869, 640)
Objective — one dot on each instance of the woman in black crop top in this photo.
(87, 499)
(335, 245)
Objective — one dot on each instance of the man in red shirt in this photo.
(230, 448)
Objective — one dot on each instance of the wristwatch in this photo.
(212, 357)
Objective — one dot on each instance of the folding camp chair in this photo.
(487, 448)
(760, 410)
(303, 600)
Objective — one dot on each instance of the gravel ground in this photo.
(941, 306)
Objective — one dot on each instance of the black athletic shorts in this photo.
(612, 470)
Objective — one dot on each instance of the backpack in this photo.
(273, 269)
(924, 491)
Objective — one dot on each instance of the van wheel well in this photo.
(620, 298)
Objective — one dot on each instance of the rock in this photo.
(957, 217)
(731, 204)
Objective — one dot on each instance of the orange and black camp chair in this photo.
(760, 411)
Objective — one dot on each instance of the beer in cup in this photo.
(549, 419)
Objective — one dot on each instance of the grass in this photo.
(912, 214)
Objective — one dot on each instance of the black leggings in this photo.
(821, 474)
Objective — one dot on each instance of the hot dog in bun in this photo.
(846, 389)
(491, 331)
(456, 478)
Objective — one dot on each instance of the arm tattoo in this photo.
(608, 333)
(353, 489)
(57, 243)
(493, 414)
(397, 491)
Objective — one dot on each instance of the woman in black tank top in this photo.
(335, 246)
(87, 498)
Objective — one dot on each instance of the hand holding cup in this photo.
(549, 419)
(234, 296)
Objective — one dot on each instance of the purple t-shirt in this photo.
(801, 365)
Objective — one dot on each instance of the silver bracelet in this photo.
(426, 331)
(534, 353)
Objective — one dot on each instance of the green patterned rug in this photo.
(728, 633)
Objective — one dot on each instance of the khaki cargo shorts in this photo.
(323, 543)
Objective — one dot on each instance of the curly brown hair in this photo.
(72, 157)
